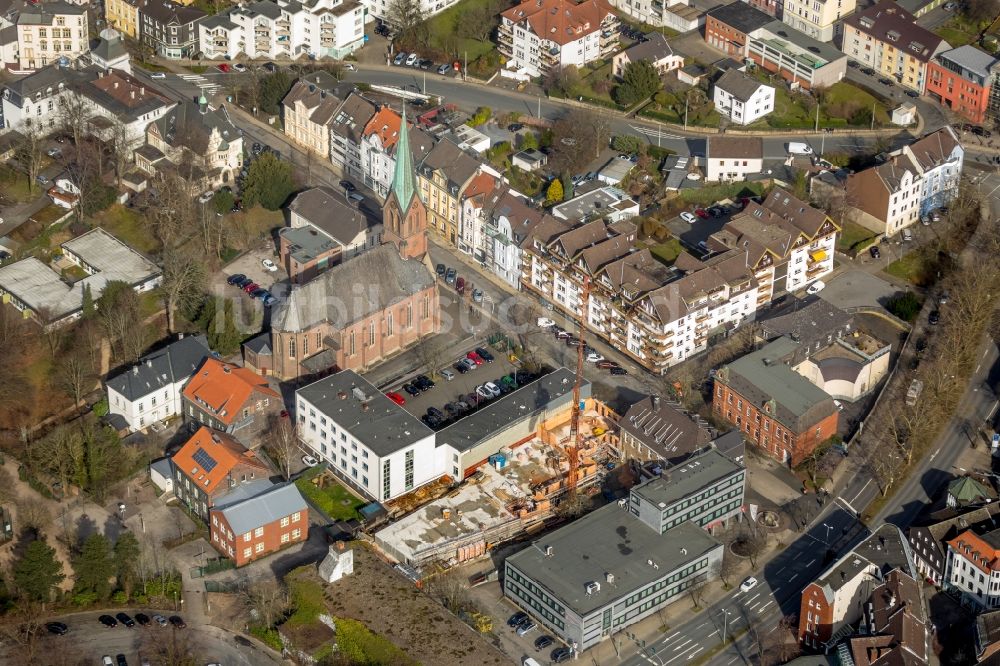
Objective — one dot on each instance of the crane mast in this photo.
(573, 450)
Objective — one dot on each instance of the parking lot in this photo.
(250, 264)
(692, 235)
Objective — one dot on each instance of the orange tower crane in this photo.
(573, 451)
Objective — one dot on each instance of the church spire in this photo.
(402, 178)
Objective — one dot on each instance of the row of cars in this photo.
(451, 276)
(522, 624)
(404, 59)
(591, 354)
(251, 288)
(141, 619)
(718, 210)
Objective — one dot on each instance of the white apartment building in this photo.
(377, 149)
(474, 205)
(817, 18)
(428, 8)
(370, 442)
(285, 29)
(537, 35)
(150, 391)
(913, 181)
(37, 98)
(508, 221)
(741, 98)
(972, 568)
(346, 130)
(51, 31)
(731, 158)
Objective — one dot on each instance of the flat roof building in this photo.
(610, 203)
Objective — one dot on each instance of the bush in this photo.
(119, 597)
(100, 408)
(269, 637)
(906, 306)
(84, 598)
(483, 114)
(626, 143)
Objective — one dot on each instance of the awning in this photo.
(818, 255)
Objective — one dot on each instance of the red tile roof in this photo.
(225, 388)
(560, 21)
(210, 456)
(974, 548)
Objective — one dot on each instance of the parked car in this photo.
(911, 93)
(461, 367)
(160, 620)
(396, 398)
(240, 67)
(874, 252)
(559, 655)
(441, 270)
(57, 628)
(269, 265)
(460, 285)
(484, 392)
(470, 364)
(484, 354)
(594, 357)
(53, 152)
(545, 322)
(475, 358)
(443, 69)
(885, 81)
(412, 59)
(309, 461)
(816, 287)
(434, 411)
(688, 217)
(450, 275)
(205, 197)
(158, 75)
(426, 64)
(400, 58)
(934, 318)
(177, 621)
(447, 374)
(430, 421)
(526, 628)
(411, 389)
(250, 286)
(907, 234)
(125, 619)
(702, 213)
(516, 619)
(234, 279)
(142, 619)
(224, 68)
(508, 381)
(108, 621)
(606, 365)
(347, 185)
(493, 388)
(477, 295)
(423, 382)
(617, 370)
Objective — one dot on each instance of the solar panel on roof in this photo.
(205, 461)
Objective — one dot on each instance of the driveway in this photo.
(857, 289)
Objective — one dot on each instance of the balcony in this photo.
(506, 50)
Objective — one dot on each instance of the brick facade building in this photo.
(727, 27)
(249, 528)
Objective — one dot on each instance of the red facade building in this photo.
(961, 79)
(246, 527)
(727, 27)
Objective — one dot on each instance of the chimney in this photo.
(142, 90)
(116, 85)
(340, 546)
(133, 94)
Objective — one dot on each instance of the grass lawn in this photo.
(127, 225)
(842, 102)
(668, 251)
(852, 234)
(150, 303)
(958, 31)
(49, 214)
(590, 86)
(444, 35)
(196, 69)
(910, 267)
(14, 185)
(151, 66)
(333, 499)
(709, 195)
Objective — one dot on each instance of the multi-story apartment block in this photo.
(583, 587)
(428, 8)
(930, 535)
(799, 59)
(211, 464)
(913, 180)
(508, 222)
(48, 32)
(741, 98)
(539, 35)
(346, 130)
(816, 18)
(263, 519)
(37, 99)
(443, 176)
(973, 568)
(483, 189)
(379, 140)
(894, 628)
(123, 15)
(308, 110)
(150, 390)
(886, 38)
(835, 601)
(169, 29)
(284, 29)
(961, 79)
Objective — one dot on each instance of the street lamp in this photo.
(725, 624)
(828, 528)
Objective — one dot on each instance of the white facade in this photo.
(976, 580)
(730, 168)
(808, 263)
(471, 219)
(816, 18)
(742, 112)
(41, 107)
(145, 410)
(506, 262)
(377, 164)
(44, 38)
(428, 8)
(285, 30)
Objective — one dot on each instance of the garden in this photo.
(328, 495)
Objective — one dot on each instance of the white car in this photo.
(309, 461)
(545, 322)
(158, 75)
(493, 388)
(748, 584)
(206, 197)
(799, 148)
(484, 392)
(690, 218)
(412, 58)
(447, 374)
(269, 265)
(839, 404)
(816, 287)
(350, 67)
(594, 357)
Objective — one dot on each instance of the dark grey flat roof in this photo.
(384, 427)
(608, 541)
(683, 481)
(550, 391)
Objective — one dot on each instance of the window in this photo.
(259, 532)
(408, 470)
(247, 536)
(296, 533)
(247, 553)
(385, 478)
(296, 516)
(284, 521)
(291, 348)
(259, 548)
(284, 538)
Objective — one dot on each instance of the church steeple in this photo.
(402, 177)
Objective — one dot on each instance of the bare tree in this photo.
(751, 543)
(76, 374)
(120, 143)
(29, 150)
(183, 281)
(169, 647)
(74, 111)
(33, 516)
(265, 599)
(696, 590)
(282, 444)
(23, 626)
(451, 589)
(431, 352)
(61, 453)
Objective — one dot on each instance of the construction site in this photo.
(517, 492)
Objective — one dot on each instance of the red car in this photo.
(224, 68)
(396, 398)
(250, 287)
(702, 213)
(460, 285)
(475, 358)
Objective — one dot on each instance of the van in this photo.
(799, 148)
(907, 234)
(530, 661)
(354, 196)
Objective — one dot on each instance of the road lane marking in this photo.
(746, 601)
(780, 570)
(681, 654)
(680, 645)
(761, 609)
(692, 655)
(701, 625)
(736, 658)
(811, 562)
(754, 606)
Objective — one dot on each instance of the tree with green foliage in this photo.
(529, 141)
(906, 306)
(88, 302)
(219, 324)
(272, 89)
(567, 182)
(38, 571)
(482, 115)
(94, 567)
(640, 80)
(126, 558)
(554, 194)
(223, 201)
(268, 182)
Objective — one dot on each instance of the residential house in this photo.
(796, 57)
(973, 569)
(64, 192)
(680, 15)
(257, 354)
(779, 410)
(894, 627)
(930, 534)
(741, 98)
(373, 444)
(309, 108)
(169, 29)
(247, 526)
(961, 79)
(199, 143)
(607, 202)
(150, 390)
(914, 180)
(472, 214)
(282, 29)
(655, 50)
(443, 175)
(378, 149)
(887, 38)
(728, 27)
(966, 491)
(325, 229)
(654, 429)
(834, 601)
(508, 223)
(346, 131)
(38, 291)
(211, 464)
(987, 636)
(35, 100)
(733, 158)
(123, 105)
(582, 587)
(816, 18)
(229, 398)
(538, 35)
(51, 32)
(428, 8)
(393, 303)
(123, 15)
(529, 160)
